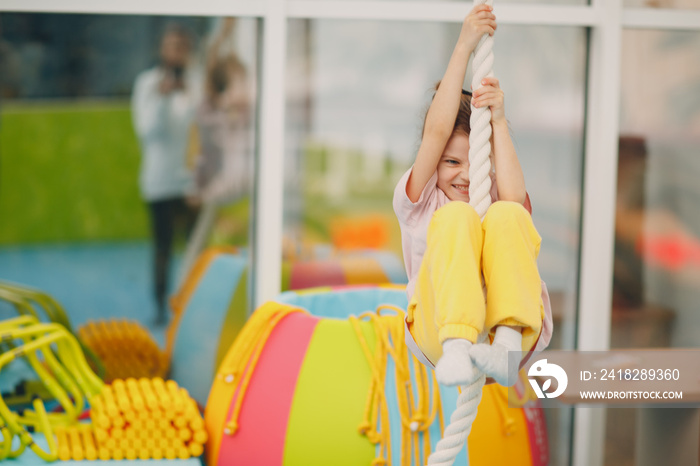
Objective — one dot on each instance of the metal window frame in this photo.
(606, 20)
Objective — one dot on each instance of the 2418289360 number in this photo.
(640, 374)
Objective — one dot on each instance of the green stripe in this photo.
(329, 400)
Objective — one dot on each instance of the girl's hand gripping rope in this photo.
(490, 95)
(480, 21)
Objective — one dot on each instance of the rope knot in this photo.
(416, 423)
(509, 426)
(364, 428)
(230, 428)
(374, 437)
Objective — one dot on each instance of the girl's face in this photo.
(453, 168)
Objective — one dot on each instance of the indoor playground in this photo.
(201, 262)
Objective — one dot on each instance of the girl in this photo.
(467, 278)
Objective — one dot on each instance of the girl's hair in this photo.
(463, 114)
(462, 121)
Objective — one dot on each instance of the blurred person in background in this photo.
(164, 103)
(223, 122)
(222, 143)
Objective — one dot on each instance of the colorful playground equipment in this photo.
(31, 302)
(126, 349)
(369, 232)
(320, 376)
(65, 373)
(306, 382)
(114, 348)
(144, 419)
(211, 307)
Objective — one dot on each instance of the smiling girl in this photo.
(469, 278)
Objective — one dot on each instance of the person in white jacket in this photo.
(164, 101)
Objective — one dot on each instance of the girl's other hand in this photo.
(480, 21)
(490, 94)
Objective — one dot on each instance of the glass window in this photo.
(657, 228)
(657, 232)
(126, 141)
(357, 95)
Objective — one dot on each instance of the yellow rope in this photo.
(65, 374)
(517, 401)
(378, 433)
(417, 411)
(247, 349)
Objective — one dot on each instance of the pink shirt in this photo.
(414, 219)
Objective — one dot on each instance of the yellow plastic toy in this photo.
(145, 418)
(65, 373)
(125, 348)
(27, 301)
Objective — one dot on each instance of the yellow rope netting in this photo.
(417, 411)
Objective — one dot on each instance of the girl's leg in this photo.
(448, 302)
(509, 261)
(513, 297)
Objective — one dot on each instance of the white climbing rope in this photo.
(480, 122)
(455, 435)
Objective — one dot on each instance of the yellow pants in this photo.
(449, 301)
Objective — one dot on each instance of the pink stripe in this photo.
(365, 286)
(316, 273)
(537, 433)
(262, 425)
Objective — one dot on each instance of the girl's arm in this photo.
(509, 175)
(442, 113)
